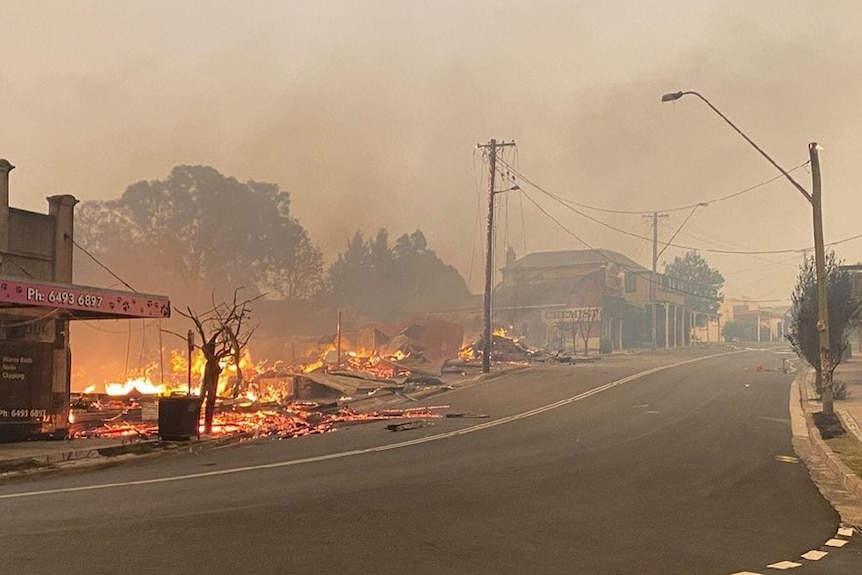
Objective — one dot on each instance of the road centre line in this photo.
(399, 445)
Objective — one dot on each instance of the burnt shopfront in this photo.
(37, 302)
(34, 348)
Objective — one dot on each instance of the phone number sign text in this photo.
(128, 304)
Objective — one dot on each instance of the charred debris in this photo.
(320, 393)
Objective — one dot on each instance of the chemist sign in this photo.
(572, 315)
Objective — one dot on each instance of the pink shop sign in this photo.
(99, 302)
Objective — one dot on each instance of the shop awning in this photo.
(69, 301)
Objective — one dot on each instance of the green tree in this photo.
(382, 281)
(203, 229)
(804, 316)
(351, 274)
(426, 281)
(703, 283)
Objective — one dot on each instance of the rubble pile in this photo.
(138, 417)
(313, 394)
(504, 349)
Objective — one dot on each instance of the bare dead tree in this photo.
(583, 325)
(237, 332)
(224, 332)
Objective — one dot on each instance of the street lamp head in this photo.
(671, 96)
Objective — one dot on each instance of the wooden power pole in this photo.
(492, 147)
(653, 280)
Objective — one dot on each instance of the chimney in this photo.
(5, 168)
(510, 256)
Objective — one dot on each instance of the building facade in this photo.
(590, 300)
(37, 302)
(747, 320)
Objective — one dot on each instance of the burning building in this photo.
(37, 302)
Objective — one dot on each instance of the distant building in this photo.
(855, 335)
(598, 300)
(750, 321)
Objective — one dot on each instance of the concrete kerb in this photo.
(850, 424)
(107, 455)
(805, 432)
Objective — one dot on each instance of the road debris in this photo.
(409, 425)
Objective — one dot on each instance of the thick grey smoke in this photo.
(369, 113)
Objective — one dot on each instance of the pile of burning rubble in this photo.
(313, 395)
(506, 349)
(137, 417)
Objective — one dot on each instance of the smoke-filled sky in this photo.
(369, 113)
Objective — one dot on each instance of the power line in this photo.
(640, 272)
(103, 266)
(667, 244)
(676, 209)
(647, 274)
(17, 265)
(685, 221)
(729, 246)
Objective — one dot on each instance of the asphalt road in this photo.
(686, 468)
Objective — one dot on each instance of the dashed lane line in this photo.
(814, 555)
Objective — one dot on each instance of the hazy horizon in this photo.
(369, 115)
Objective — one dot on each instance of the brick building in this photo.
(595, 297)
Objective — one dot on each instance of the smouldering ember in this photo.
(504, 347)
(267, 404)
(291, 420)
(176, 380)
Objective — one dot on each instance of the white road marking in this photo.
(813, 555)
(784, 565)
(343, 454)
(786, 459)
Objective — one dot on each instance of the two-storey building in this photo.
(594, 300)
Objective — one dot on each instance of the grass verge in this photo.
(849, 449)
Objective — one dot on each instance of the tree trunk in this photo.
(828, 400)
(828, 396)
(209, 388)
(585, 333)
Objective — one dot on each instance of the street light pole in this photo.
(814, 198)
(677, 95)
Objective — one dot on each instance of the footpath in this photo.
(838, 483)
(29, 457)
